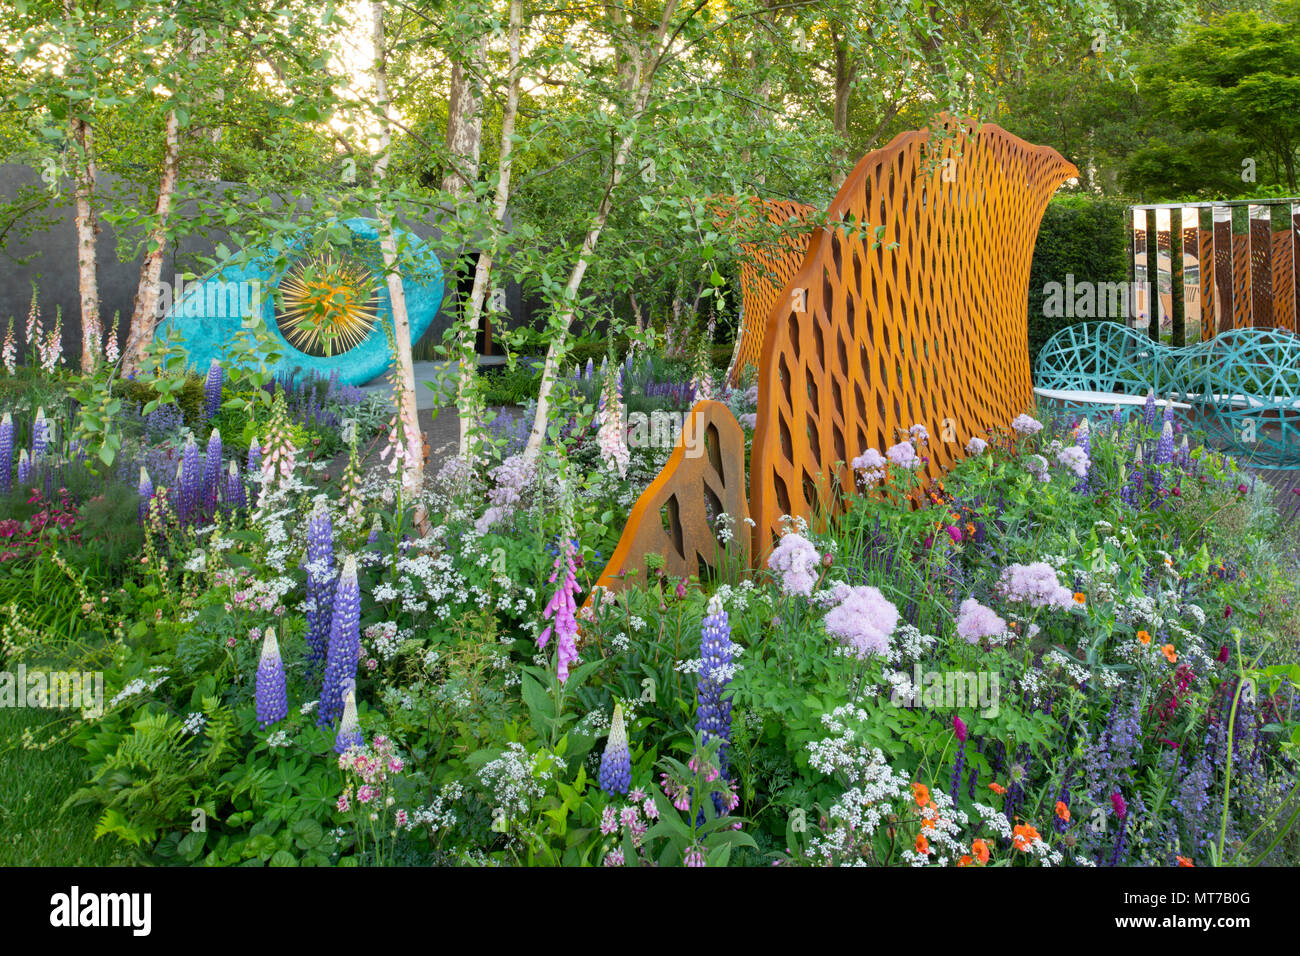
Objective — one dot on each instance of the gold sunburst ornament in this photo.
(328, 304)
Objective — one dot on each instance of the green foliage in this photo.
(1079, 236)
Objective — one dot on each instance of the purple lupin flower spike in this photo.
(40, 436)
(212, 391)
(272, 699)
(349, 735)
(1169, 409)
(713, 712)
(1149, 410)
(146, 493)
(254, 464)
(615, 774)
(320, 574)
(234, 494)
(6, 453)
(191, 482)
(1117, 416)
(590, 370)
(344, 652)
(1165, 447)
(24, 468)
(212, 472)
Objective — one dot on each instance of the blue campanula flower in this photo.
(272, 700)
(344, 651)
(616, 762)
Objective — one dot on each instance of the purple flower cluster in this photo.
(6, 453)
(615, 774)
(272, 699)
(212, 391)
(863, 619)
(320, 575)
(344, 651)
(713, 707)
(1034, 584)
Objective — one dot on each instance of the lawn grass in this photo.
(33, 786)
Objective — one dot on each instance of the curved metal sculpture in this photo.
(330, 311)
(677, 516)
(915, 313)
(765, 270)
(909, 308)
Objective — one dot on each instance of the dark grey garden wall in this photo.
(38, 245)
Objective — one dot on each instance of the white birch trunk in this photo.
(413, 470)
(144, 318)
(466, 404)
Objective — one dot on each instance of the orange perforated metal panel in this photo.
(910, 307)
(677, 515)
(765, 270)
(926, 326)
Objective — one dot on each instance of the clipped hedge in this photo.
(1082, 236)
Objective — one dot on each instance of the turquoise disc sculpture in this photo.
(208, 312)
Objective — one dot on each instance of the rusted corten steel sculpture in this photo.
(925, 323)
(765, 270)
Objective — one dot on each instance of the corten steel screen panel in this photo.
(925, 323)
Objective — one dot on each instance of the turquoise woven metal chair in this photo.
(1104, 364)
(1242, 386)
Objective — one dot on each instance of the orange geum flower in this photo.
(921, 794)
(965, 861)
(1062, 811)
(922, 844)
(981, 851)
(1170, 654)
(1024, 836)
(1079, 597)
(1184, 861)
(1144, 637)
(997, 788)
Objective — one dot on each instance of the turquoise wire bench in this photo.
(1242, 386)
